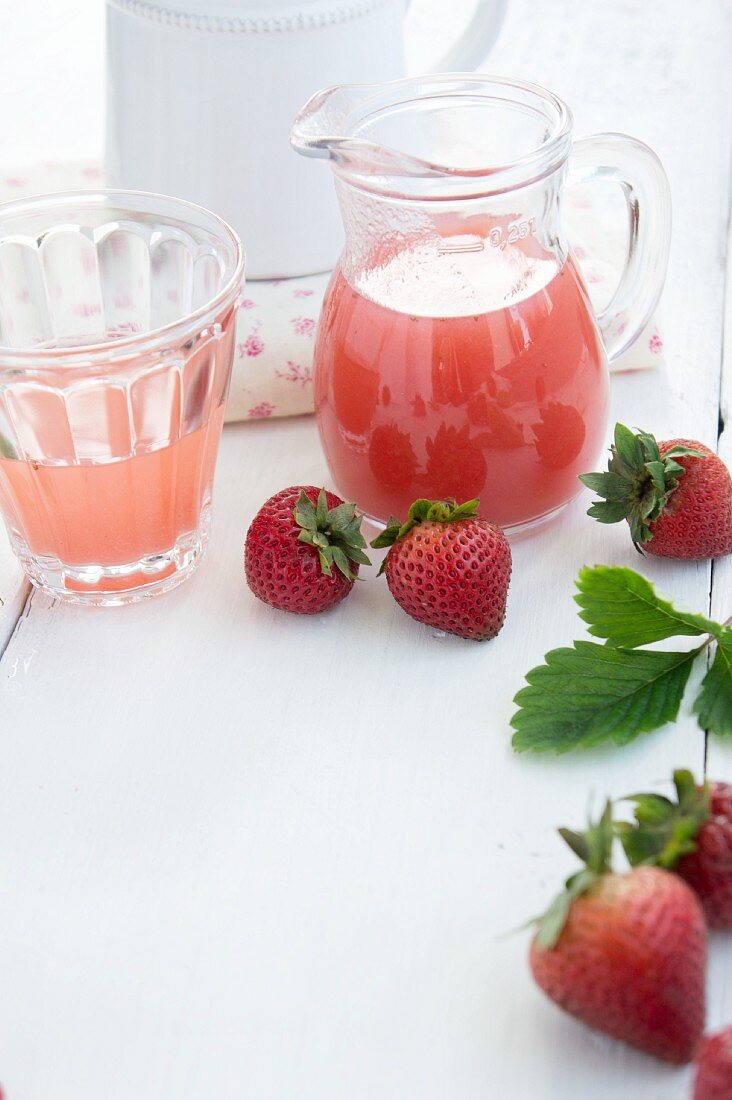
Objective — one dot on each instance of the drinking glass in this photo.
(117, 320)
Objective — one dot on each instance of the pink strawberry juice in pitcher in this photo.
(507, 404)
(458, 354)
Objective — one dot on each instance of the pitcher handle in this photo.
(473, 45)
(636, 168)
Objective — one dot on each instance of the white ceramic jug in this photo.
(201, 95)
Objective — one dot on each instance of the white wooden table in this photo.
(250, 855)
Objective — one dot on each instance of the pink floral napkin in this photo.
(277, 319)
(273, 371)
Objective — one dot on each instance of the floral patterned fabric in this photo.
(273, 364)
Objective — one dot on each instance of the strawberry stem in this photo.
(663, 830)
(638, 483)
(424, 511)
(594, 848)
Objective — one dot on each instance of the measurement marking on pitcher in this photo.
(500, 235)
(452, 245)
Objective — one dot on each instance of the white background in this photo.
(52, 73)
(245, 855)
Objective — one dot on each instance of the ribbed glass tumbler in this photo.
(117, 321)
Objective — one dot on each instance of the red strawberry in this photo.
(713, 1079)
(293, 544)
(692, 836)
(448, 568)
(625, 954)
(676, 495)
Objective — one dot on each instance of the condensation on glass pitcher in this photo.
(454, 261)
(456, 277)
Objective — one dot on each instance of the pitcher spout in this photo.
(329, 127)
(446, 135)
(322, 121)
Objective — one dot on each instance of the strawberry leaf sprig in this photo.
(592, 693)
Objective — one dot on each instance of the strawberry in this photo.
(692, 836)
(293, 544)
(625, 953)
(448, 568)
(713, 1079)
(675, 495)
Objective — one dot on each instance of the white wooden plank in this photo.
(253, 855)
(277, 853)
(13, 590)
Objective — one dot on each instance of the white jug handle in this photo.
(471, 48)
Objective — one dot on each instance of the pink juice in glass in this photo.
(114, 512)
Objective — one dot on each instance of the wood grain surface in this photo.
(248, 855)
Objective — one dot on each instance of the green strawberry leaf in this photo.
(7, 450)
(334, 532)
(353, 553)
(554, 919)
(594, 848)
(582, 697)
(663, 830)
(713, 704)
(388, 536)
(341, 561)
(623, 607)
(608, 511)
(578, 842)
(638, 482)
(630, 446)
(611, 485)
(321, 510)
(305, 513)
(423, 511)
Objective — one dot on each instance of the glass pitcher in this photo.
(458, 354)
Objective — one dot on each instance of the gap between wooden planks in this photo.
(719, 752)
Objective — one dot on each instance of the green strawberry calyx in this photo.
(424, 511)
(334, 532)
(594, 848)
(638, 483)
(665, 830)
